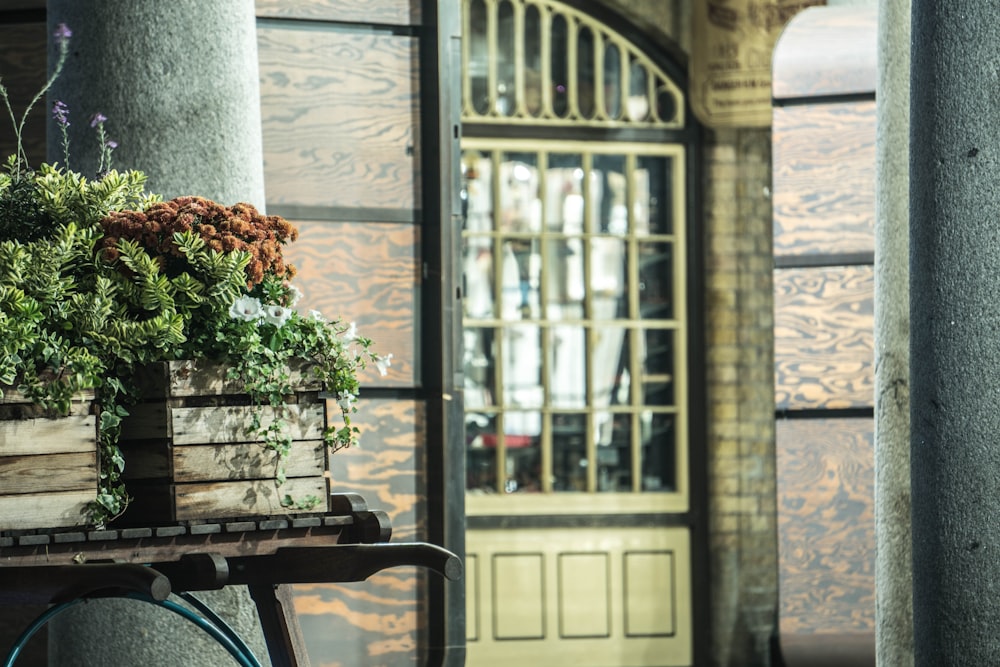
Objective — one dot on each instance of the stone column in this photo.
(893, 563)
(955, 332)
(178, 83)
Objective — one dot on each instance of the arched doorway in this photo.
(581, 350)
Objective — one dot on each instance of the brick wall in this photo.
(739, 364)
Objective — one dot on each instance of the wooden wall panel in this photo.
(585, 595)
(339, 112)
(823, 337)
(365, 273)
(826, 51)
(22, 71)
(380, 619)
(391, 12)
(519, 604)
(376, 622)
(826, 521)
(824, 69)
(824, 179)
(387, 466)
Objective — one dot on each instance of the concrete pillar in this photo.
(893, 562)
(178, 83)
(955, 332)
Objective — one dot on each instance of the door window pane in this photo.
(479, 355)
(609, 360)
(658, 356)
(478, 291)
(569, 452)
(653, 206)
(614, 452)
(609, 196)
(523, 469)
(481, 452)
(521, 381)
(658, 452)
(521, 209)
(608, 279)
(564, 193)
(656, 271)
(567, 348)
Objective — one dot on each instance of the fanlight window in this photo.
(544, 62)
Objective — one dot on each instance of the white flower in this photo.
(276, 315)
(346, 400)
(316, 315)
(383, 363)
(294, 294)
(351, 333)
(245, 308)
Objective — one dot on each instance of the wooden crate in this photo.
(189, 454)
(48, 463)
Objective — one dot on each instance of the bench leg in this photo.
(285, 643)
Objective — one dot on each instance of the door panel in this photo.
(588, 597)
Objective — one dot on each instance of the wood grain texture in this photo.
(394, 12)
(824, 179)
(823, 337)
(219, 500)
(826, 51)
(22, 68)
(183, 378)
(188, 456)
(366, 273)
(383, 619)
(380, 621)
(387, 466)
(198, 426)
(76, 433)
(218, 424)
(826, 525)
(49, 510)
(340, 117)
(43, 473)
(44, 459)
(245, 461)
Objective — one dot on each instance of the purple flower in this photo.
(111, 143)
(60, 112)
(62, 34)
(97, 119)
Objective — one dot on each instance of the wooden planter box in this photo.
(189, 454)
(48, 463)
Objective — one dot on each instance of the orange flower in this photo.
(240, 227)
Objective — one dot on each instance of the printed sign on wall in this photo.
(731, 58)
